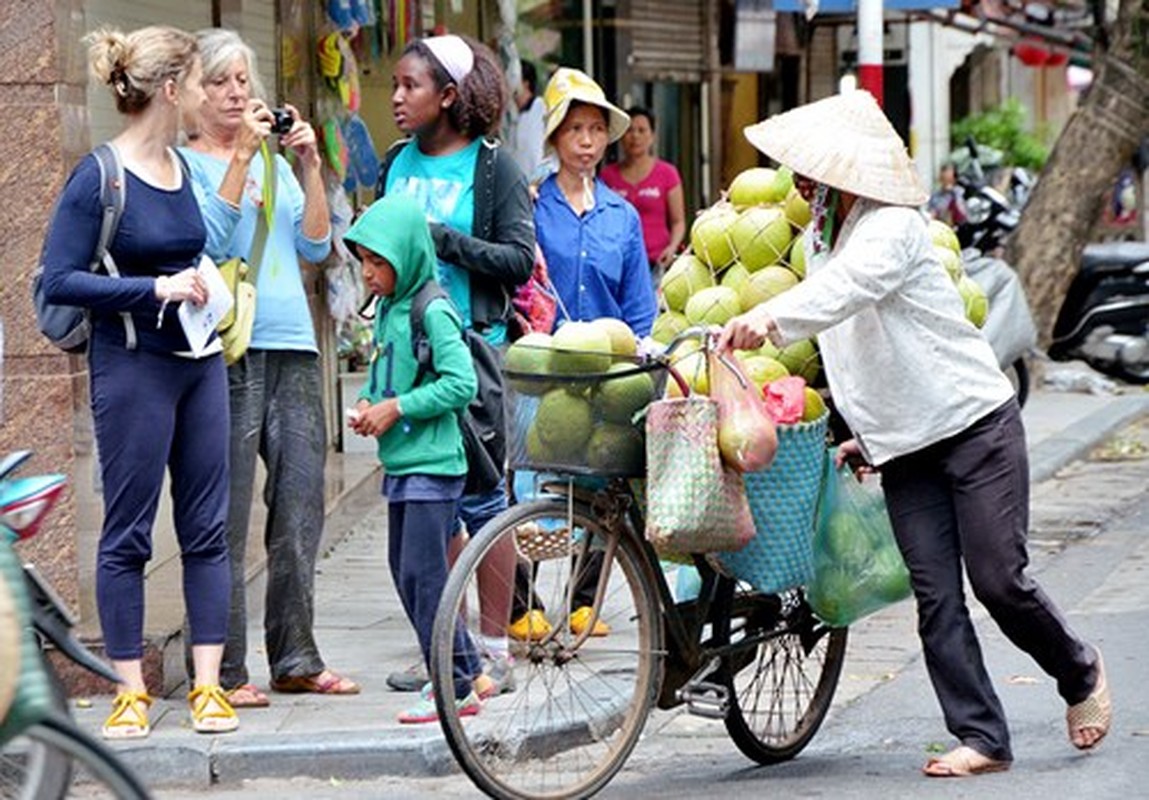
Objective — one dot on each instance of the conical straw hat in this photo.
(844, 141)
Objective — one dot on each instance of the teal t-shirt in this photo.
(444, 186)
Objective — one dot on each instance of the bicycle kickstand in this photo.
(704, 698)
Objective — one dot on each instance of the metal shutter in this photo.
(667, 40)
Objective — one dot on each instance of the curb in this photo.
(1057, 451)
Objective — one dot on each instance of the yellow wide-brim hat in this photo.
(568, 86)
(845, 141)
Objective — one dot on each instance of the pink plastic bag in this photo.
(785, 399)
(746, 436)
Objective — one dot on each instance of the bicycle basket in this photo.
(586, 423)
(784, 502)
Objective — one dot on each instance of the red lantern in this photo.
(1056, 58)
(1029, 51)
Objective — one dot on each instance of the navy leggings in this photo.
(417, 535)
(155, 412)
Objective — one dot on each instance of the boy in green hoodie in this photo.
(419, 440)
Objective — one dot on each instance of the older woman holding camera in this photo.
(275, 387)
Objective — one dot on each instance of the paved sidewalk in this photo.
(365, 635)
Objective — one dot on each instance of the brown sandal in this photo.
(963, 762)
(326, 682)
(247, 695)
(1093, 713)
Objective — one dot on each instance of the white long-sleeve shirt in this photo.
(905, 367)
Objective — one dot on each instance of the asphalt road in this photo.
(1090, 550)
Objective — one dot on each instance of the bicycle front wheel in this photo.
(580, 701)
(97, 769)
(31, 769)
(781, 688)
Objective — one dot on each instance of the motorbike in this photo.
(1104, 319)
(40, 746)
(990, 217)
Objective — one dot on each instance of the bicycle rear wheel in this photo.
(580, 702)
(96, 768)
(781, 689)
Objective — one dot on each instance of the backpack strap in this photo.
(420, 344)
(113, 193)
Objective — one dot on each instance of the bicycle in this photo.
(761, 662)
(42, 752)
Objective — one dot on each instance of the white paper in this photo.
(200, 322)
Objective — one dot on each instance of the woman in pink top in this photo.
(652, 186)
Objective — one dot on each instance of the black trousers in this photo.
(966, 500)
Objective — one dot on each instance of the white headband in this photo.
(454, 54)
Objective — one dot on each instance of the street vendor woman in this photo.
(929, 410)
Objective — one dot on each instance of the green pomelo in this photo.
(762, 369)
(564, 422)
(760, 237)
(943, 235)
(667, 325)
(801, 358)
(768, 349)
(529, 355)
(617, 399)
(714, 306)
(797, 210)
(616, 448)
(623, 342)
(686, 276)
(894, 584)
(760, 186)
(710, 236)
(764, 284)
(798, 256)
(815, 406)
(951, 261)
(973, 296)
(845, 540)
(536, 451)
(579, 348)
(734, 276)
(694, 370)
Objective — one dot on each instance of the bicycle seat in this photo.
(1107, 256)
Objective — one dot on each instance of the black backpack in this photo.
(483, 422)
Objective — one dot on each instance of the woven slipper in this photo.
(963, 762)
(210, 711)
(247, 695)
(1093, 713)
(326, 682)
(129, 717)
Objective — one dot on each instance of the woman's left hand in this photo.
(301, 139)
(667, 257)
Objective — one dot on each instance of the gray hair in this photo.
(219, 47)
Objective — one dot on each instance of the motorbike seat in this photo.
(1114, 256)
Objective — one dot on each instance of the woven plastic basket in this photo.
(582, 424)
(784, 502)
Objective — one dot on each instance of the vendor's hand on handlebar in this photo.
(747, 331)
(850, 453)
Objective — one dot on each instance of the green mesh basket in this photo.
(784, 502)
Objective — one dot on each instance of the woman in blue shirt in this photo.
(156, 407)
(591, 237)
(276, 387)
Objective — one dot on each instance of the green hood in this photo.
(395, 228)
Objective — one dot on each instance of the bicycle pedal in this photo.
(703, 699)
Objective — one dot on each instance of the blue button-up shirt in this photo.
(597, 262)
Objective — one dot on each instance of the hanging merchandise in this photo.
(364, 161)
(335, 148)
(403, 16)
(341, 14)
(339, 69)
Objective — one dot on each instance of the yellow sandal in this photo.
(129, 717)
(210, 710)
